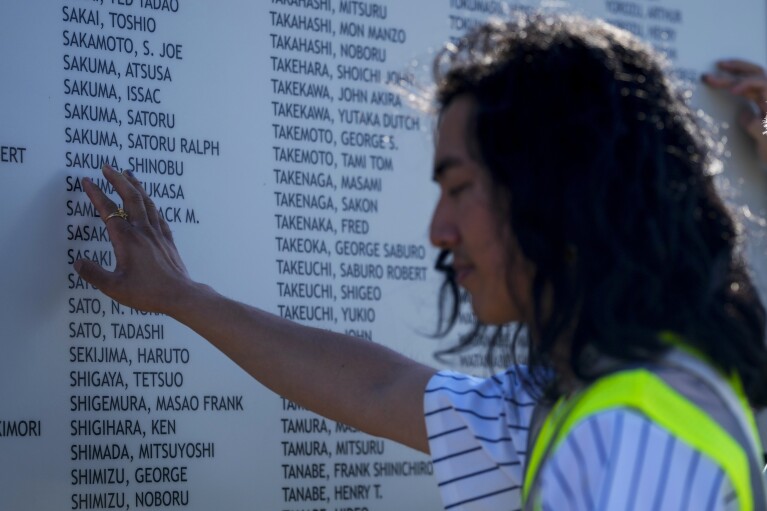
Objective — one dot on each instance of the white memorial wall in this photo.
(276, 141)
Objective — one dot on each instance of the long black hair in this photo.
(607, 178)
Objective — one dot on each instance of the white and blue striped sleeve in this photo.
(620, 460)
(477, 435)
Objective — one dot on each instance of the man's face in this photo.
(467, 221)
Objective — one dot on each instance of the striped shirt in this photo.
(614, 460)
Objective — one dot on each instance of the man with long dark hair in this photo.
(577, 199)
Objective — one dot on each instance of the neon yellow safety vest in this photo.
(641, 390)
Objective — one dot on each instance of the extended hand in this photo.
(748, 81)
(149, 274)
(359, 383)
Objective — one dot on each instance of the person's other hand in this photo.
(149, 274)
(748, 81)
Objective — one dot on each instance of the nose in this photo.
(443, 231)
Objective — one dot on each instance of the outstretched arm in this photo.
(359, 383)
(748, 81)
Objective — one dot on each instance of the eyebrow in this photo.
(442, 165)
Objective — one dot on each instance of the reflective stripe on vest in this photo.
(645, 392)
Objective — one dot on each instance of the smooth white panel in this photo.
(232, 77)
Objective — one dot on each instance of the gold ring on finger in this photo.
(120, 213)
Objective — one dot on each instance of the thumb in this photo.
(93, 273)
(752, 123)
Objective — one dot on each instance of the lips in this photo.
(462, 270)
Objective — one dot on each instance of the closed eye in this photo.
(455, 191)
